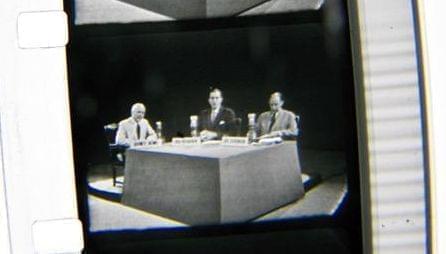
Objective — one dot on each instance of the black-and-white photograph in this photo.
(221, 116)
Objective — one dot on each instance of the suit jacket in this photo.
(126, 134)
(223, 123)
(285, 123)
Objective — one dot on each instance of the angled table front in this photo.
(212, 184)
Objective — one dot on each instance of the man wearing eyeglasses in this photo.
(277, 122)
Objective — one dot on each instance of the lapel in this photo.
(132, 130)
(143, 126)
(218, 116)
(207, 120)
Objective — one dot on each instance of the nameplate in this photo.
(235, 141)
(186, 141)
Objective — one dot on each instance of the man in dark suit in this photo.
(217, 120)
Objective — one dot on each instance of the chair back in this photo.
(114, 149)
(110, 132)
(298, 124)
(116, 152)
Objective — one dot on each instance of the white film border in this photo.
(395, 216)
(58, 236)
(38, 196)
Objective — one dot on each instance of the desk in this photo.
(212, 184)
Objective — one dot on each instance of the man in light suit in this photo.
(217, 120)
(277, 122)
(135, 130)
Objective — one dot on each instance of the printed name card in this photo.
(186, 141)
(235, 141)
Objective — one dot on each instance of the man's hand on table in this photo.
(273, 134)
(206, 135)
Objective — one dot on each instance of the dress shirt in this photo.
(214, 113)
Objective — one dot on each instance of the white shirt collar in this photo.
(135, 122)
(276, 112)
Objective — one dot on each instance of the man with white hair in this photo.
(135, 130)
(277, 122)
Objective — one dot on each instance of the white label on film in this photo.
(45, 29)
(186, 141)
(58, 236)
(235, 141)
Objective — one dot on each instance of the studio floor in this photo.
(323, 199)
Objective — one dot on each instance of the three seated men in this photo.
(213, 122)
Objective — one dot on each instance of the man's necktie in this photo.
(273, 120)
(138, 131)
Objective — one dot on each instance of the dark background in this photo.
(171, 66)
(171, 73)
